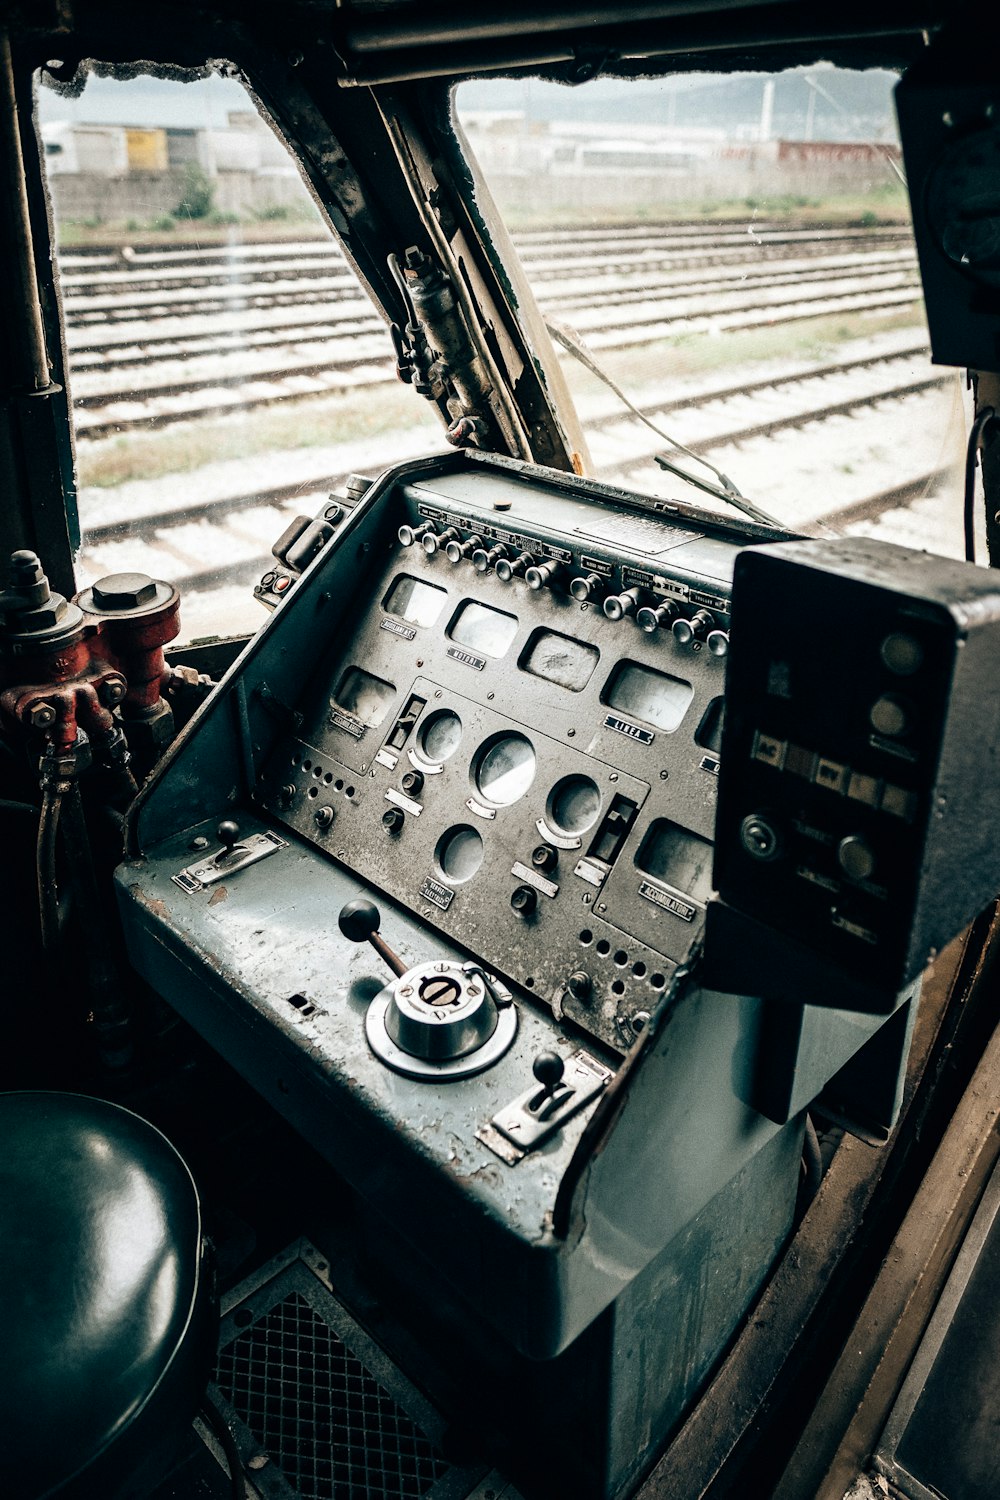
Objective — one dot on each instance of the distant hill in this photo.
(845, 106)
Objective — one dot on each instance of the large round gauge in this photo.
(962, 204)
(504, 768)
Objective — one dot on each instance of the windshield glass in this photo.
(734, 255)
(227, 369)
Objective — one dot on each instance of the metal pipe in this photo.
(24, 365)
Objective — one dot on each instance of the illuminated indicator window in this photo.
(831, 774)
(654, 697)
(365, 697)
(559, 659)
(483, 629)
(678, 858)
(864, 789)
(415, 601)
(800, 762)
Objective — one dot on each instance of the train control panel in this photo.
(431, 869)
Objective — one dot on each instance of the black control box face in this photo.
(858, 804)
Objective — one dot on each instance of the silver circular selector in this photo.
(438, 1021)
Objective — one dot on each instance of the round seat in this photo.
(105, 1304)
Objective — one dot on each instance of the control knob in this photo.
(617, 606)
(483, 560)
(717, 642)
(508, 568)
(659, 617)
(432, 540)
(456, 550)
(695, 628)
(588, 587)
(410, 534)
(542, 575)
(524, 900)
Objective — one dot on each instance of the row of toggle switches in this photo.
(701, 625)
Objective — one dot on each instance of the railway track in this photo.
(227, 531)
(194, 335)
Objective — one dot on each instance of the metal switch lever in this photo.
(548, 1068)
(359, 921)
(228, 834)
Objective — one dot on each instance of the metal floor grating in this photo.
(322, 1417)
(319, 1411)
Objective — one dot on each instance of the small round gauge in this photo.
(573, 804)
(459, 853)
(441, 735)
(504, 769)
(962, 204)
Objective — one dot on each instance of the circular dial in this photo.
(441, 735)
(962, 204)
(505, 768)
(573, 804)
(459, 853)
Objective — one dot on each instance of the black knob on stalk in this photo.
(359, 921)
(228, 834)
(548, 1068)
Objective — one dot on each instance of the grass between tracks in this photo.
(326, 422)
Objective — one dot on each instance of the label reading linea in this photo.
(630, 731)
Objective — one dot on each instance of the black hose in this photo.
(111, 1013)
(213, 1418)
(45, 865)
(812, 1162)
(979, 427)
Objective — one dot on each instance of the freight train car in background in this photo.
(522, 1021)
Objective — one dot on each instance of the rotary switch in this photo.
(435, 1019)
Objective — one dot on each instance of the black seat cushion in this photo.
(105, 1305)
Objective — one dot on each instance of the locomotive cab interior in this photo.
(520, 1021)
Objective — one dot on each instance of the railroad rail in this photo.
(191, 334)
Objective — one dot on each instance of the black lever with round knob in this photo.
(359, 921)
(228, 834)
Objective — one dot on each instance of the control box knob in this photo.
(456, 550)
(393, 819)
(695, 628)
(483, 560)
(717, 642)
(410, 534)
(856, 857)
(541, 575)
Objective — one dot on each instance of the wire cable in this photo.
(976, 440)
(728, 493)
